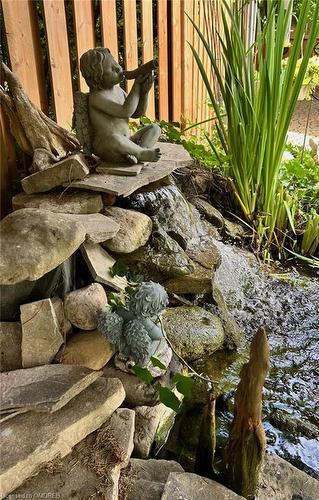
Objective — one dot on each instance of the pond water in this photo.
(288, 305)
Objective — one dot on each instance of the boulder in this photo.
(98, 227)
(43, 388)
(193, 331)
(197, 282)
(281, 480)
(67, 202)
(33, 439)
(88, 349)
(72, 168)
(193, 487)
(83, 307)
(41, 334)
(10, 346)
(34, 242)
(209, 212)
(148, 476)
(64, 324)
(100, 264)
(137, 393)
(135, 230)
(152, 425)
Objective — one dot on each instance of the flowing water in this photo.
(288, 306)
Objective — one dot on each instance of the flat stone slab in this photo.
(43, 388)
(175, 152)
(100, 264)
(67, 202)
(188, 486)
(41, 333)
(35, 241)
(98, 227)
(123, 185)
(73, 167)
(10, 346)
(120, 169)
(33, 439)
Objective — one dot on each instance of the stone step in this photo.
(30, 440)
(43, 388)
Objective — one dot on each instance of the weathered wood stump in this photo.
(36, 134)
(247, 440)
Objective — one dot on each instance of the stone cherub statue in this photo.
(109, 110)
(136, 330)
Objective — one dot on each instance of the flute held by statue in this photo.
(141, 70)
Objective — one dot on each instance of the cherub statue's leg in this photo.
(118, 147)
(147, 136)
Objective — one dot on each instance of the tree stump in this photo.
(247, 440)
(36, 134)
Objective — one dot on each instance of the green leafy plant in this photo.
(258, 113)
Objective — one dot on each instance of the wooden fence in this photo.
(43, 41)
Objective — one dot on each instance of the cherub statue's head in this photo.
(148, 300)
(99, 69)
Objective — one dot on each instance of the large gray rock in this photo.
(98, 227)
(10, 346)
(137, 393)
(193, 331)
(88, 349)
(147, 476)
(209, 212)
(100, 264)
(43, 388)
(135, 230)
(65, 325)
(198, 281)
(33, 439)
(281, 480)
(72, 168)
(152, 425)
(188, 486)
(83, 306)
(34, 242)
(66, 202)
(41, 334)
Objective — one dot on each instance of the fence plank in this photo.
(109, 26)
(8, 170)
(84, 29)
(59, 61)
(147, 47)
(187, 60)
(176, 69)
(130, 37)
(20, 19)
(163, 102)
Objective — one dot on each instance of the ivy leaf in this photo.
(157, 362)
(168, 398)
(143, 374)
(184, 384)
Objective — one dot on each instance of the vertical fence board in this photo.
(176, 69)
(163, 102)
(187, 60)
(147, 47)
(130, 37)
(59, 60)
(109, 26)
(8, 170)
(20, 19)
(85, 32)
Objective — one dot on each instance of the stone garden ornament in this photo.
(102, 116)
(136, 330)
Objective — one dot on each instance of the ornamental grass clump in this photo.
(258, 98)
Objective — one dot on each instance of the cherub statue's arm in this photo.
(126, 110)
(146, 86)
